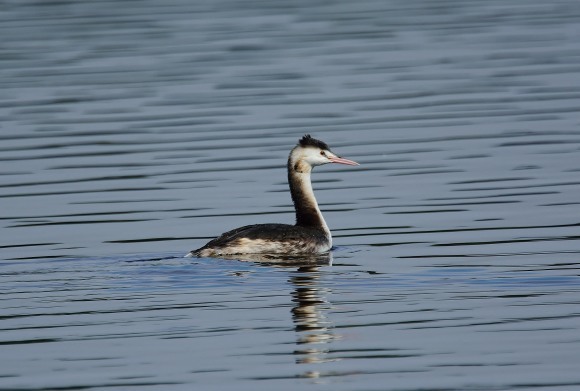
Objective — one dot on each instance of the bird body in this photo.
(310, 234)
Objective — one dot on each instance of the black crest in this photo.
(308, 141)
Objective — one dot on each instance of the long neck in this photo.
(307, 211)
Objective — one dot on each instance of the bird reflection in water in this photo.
(312, 327)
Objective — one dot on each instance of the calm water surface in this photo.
(133, 132)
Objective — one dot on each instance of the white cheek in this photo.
(315, 158)
(318, 160)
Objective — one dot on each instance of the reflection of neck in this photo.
(308, 315)
(307, 211)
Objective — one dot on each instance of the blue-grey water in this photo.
(134, 131)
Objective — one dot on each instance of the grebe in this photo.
(310, 234)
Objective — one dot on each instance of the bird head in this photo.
(313, 152)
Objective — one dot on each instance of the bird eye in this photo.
(322, 153)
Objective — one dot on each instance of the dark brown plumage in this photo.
(307, 140)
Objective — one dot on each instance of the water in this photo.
(134, 132)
